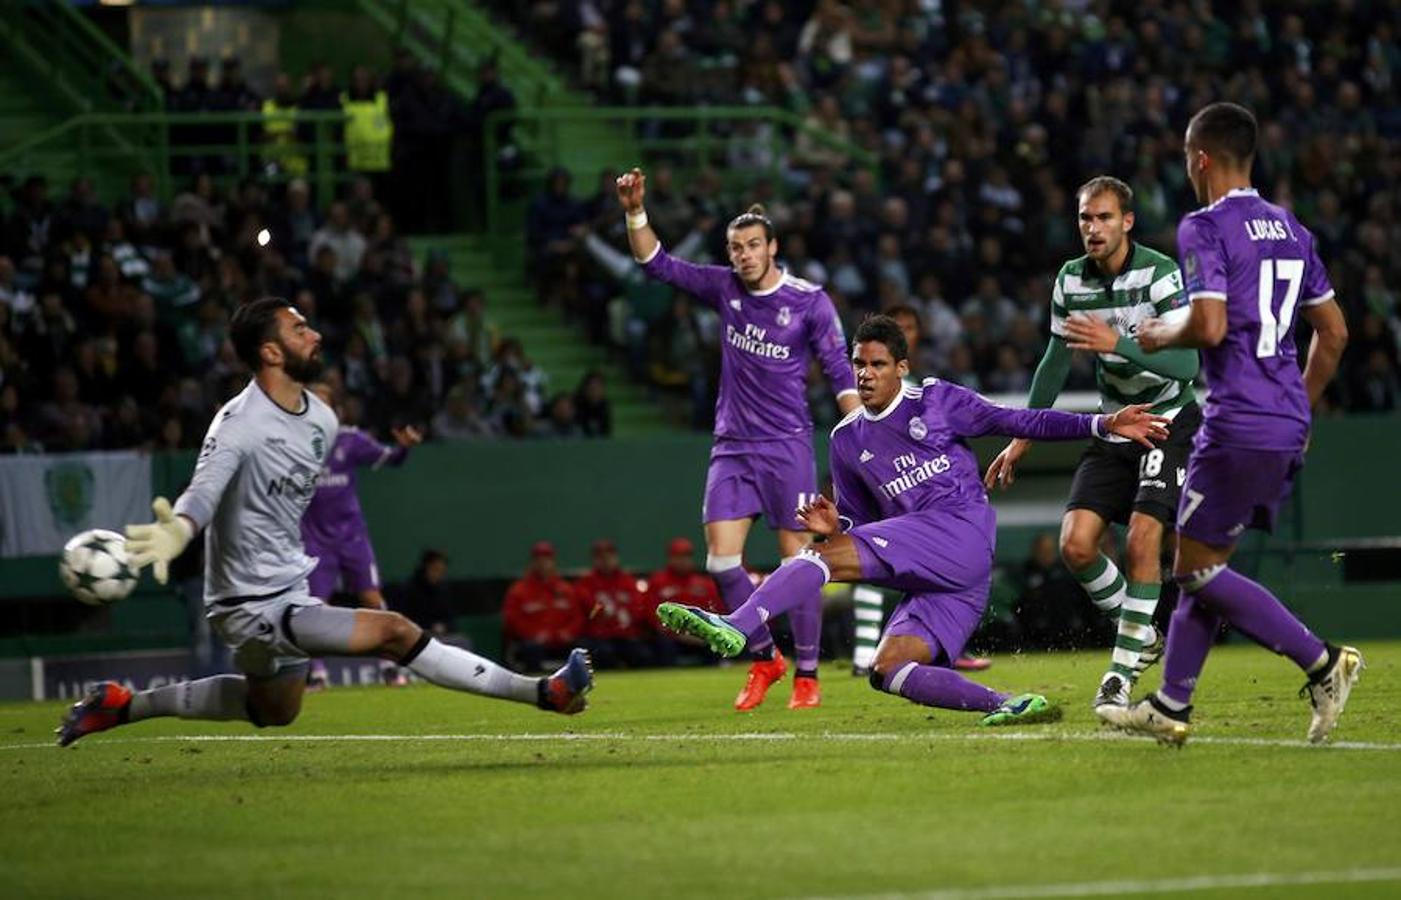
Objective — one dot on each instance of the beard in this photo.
(303, 369)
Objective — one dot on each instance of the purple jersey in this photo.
(913, 456)
(334, 514)
(1258, 259)
(767, 341)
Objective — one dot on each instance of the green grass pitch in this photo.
(664, 791)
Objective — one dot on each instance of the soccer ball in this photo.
(95, 567)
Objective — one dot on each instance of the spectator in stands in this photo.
(461, 419)
(617, 623)
(591, 408)
(551, 242)
(541, 614)
(342, 239)
(425, 598)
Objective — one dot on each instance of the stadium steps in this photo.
(554, 345)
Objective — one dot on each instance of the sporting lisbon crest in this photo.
(69, 486)
(918, 429)
(785, 317)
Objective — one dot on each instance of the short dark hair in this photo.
(253, 324)
(905, 309)
(885, 330)
(1101, 184)
(1225, 129)
(755, 215)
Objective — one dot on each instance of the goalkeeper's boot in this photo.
(1152, 718)
(807, 693)
(762, 674)
(1328, 691)
(1023, 709)
(1113, 692)
(723, 638)
(1150, 654)
(566, 691)
(104, 707)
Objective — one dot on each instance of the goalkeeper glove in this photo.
(160, 542)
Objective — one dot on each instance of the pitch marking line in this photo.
(740, 737)
(1162, 886)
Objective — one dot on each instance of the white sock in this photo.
(452, 667)
(221, 698)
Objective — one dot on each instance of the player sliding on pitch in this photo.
(254, 478)
(911, 514)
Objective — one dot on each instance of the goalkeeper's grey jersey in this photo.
(255, 476)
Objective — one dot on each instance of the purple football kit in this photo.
(1256, 258)
(762, 461)
(333, 528)
(908, 484)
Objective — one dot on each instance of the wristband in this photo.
(637, 221)
(1099, 426)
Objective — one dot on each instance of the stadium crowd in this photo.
(984, 118)
(113, 318)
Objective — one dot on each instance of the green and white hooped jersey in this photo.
(1149, 286)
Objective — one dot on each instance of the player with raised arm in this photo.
(911, 514)
(762, 461)
(254, 478)
(1250, 267)
(333, 527)
(1098, 302)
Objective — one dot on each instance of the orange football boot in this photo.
(762, 675)
(807, 693)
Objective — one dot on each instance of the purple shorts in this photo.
(747, 478)
(942, 560)
(1229, 489)
(349, 565)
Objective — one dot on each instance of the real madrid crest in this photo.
(918, 429)
(785, 317)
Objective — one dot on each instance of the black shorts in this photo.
(1114, 480)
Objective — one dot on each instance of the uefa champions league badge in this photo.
(918, 429)
(785, 317)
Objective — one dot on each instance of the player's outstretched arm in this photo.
(1326, 346)
(632, 188)
(971, 415)
(161, 541)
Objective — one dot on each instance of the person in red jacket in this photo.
(542, 616)
(617, 620)
(679, 581)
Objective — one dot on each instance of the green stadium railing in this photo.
(72, 58)
(158, 143)
(454, 37)
(691, 138)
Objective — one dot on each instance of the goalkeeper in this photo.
(255, 476)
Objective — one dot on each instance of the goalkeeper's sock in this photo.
(460, 670)
(1102, 581)
(220, 698)
(938, 686)
(1135, 627)
(868, 604)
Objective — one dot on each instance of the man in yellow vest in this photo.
(280, 134)
(369, 132)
